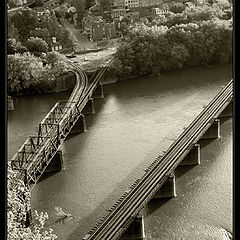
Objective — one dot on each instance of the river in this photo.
(135, 122)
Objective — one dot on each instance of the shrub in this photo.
(14, 47)
(36, 46)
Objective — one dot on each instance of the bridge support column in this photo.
(135, 231)
(89, 107)
(56, 163)
(193, 157)
(10, 104)
(98, 93)
(168, 189)
(213, 131)
(228, 111)
(80, 125)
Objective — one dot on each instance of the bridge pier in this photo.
(80, 125)
(228, 111)
(10, 104)
(98, 93)
(135, 231)
(213, 131)
(193, 157)
(89, 107)
(56, 164)
(168, 189)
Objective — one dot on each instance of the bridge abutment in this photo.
(193, 157)
(89, 107)
(98, 93)
(56, 164)
(228, 111)
(135, 231)
(213, 131)
(168, 189)
(80, 125)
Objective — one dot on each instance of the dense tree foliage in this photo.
(36, 46)
(28, 24)
(27, 73)
(18, 204)
(25, 20)
(13, 46)
(39, 3)
(197, 37)
(177, 7)
(80, 6)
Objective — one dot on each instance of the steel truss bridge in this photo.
(127, 208)
(33, 157)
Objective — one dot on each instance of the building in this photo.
(119, 4)
(131, 3)
(101, 30)
(156, 11)
(116, 13)
(98, 31)
(110, 31)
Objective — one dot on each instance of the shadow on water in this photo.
(154, 204)
(181, 170)
(46, 175)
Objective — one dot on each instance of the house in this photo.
(143, 3)
(131, 3)
(97, 31)
(56, 46)
(110, 31)
(116, 13)
(156, 11)
(119, 3)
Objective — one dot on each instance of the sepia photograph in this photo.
(119, 120)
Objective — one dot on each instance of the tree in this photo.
(36, 46)
(39, 3)
(42, 33)
(177, 7)
(18, 203)
(14, 3)
(24, 71)
(25, 20)
(80, 7)
(14, 47)
(105, 4)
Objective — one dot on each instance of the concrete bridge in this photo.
(124, 220)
